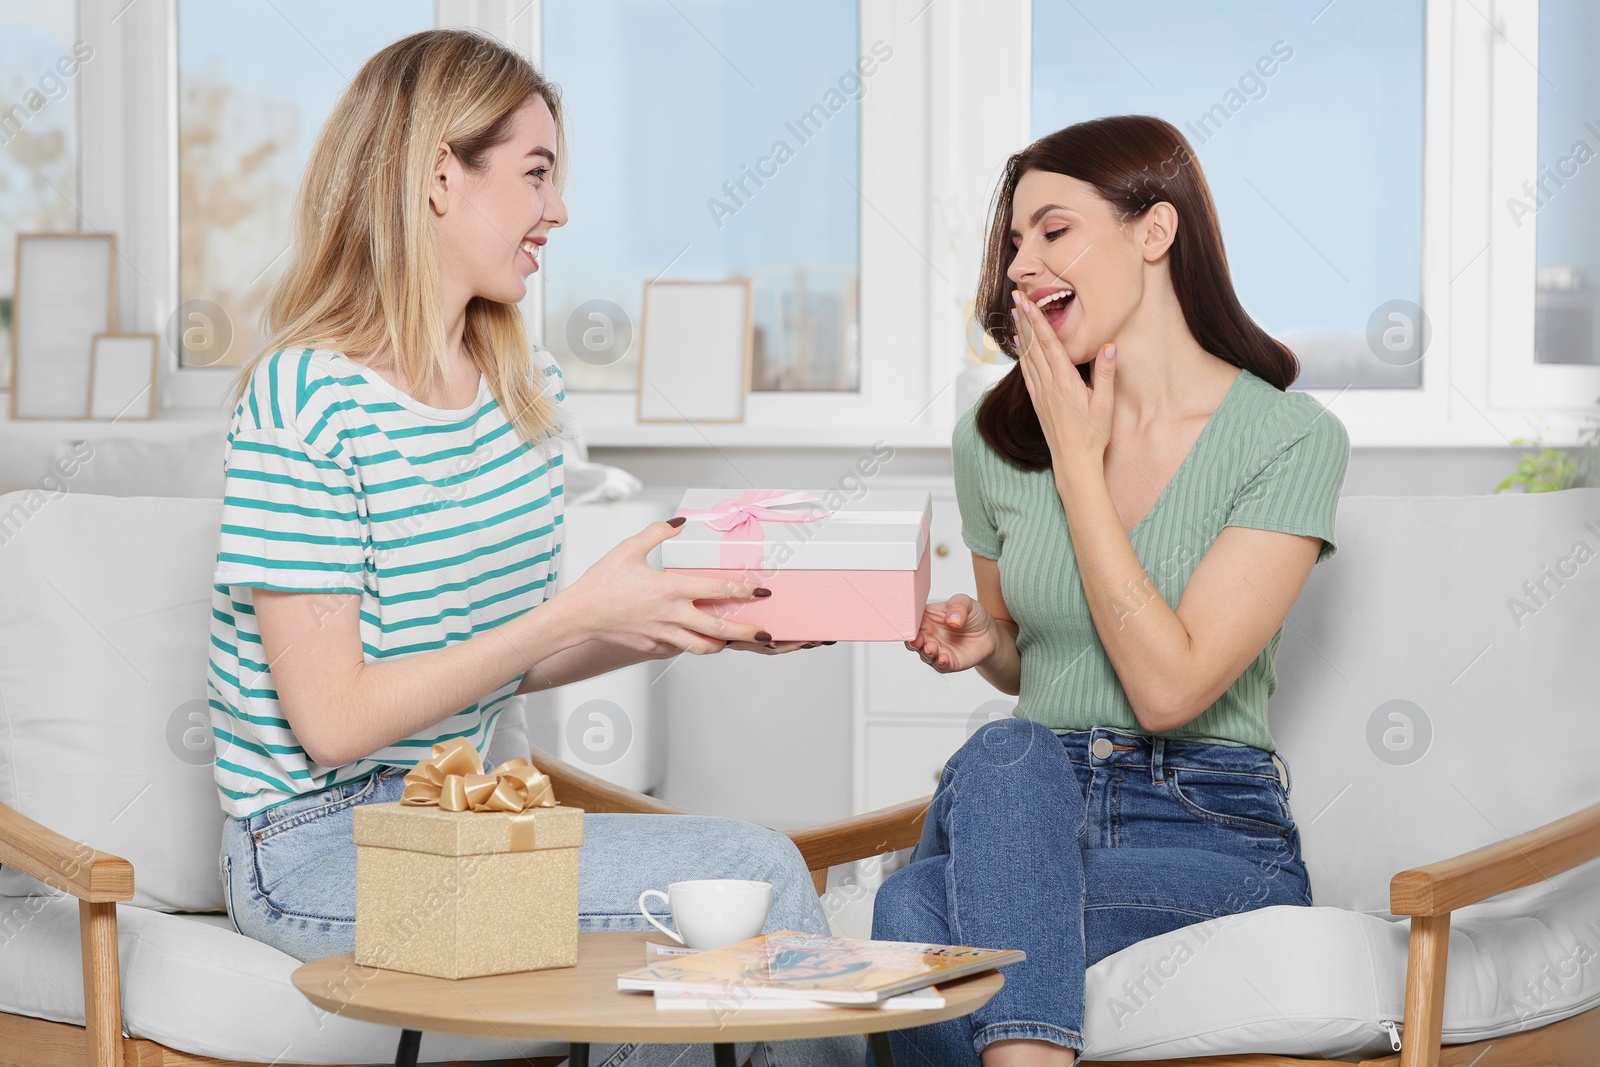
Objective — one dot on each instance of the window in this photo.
(1564, 199)
(256, 80)
(40, 56)
(708, 139)
(1309, 125)
(1365, 164)
(1544, 135)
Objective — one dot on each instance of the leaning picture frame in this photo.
(65, 294)
(122, 376)
(695, 351)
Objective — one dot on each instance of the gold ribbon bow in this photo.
(453, 778)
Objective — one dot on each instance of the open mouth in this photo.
(530, 250)
(1055, 307)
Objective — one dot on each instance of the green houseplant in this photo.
(1556, 468)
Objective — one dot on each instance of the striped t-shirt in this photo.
(445, 523)
(1266, 459)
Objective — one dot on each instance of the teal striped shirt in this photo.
(445, 523)
(1266, 459)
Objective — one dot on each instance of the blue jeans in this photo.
(290, 879)
(1071, 848)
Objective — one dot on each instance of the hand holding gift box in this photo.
(839, 569)
(469, 873)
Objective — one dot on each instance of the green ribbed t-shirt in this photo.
(1265, 459)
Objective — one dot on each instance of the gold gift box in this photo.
(445, 893)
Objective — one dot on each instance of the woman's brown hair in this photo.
(1134, 162)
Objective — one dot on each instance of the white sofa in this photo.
(104, 607)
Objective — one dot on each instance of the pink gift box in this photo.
(840, 569)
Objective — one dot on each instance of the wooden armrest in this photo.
(584, 790)
(62, 863)
(861, 836)
(98, 880)
(1442, 887)
(1428, 894)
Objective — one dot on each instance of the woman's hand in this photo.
(1075, 418)
(954, 635)
(775, 648)
(624, 600)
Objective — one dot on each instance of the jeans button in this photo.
(1101, 748)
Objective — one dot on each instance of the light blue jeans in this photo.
(290, 877)
(1071, 848)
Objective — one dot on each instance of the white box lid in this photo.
(885, 529)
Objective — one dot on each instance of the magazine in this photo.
(679, 1000)
(834, 970)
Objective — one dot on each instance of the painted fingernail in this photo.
(677, 520)
(763, 636)
(763, 592)
(809, 644)
(1016, 297)
(830, 642)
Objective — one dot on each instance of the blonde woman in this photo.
(393, 518)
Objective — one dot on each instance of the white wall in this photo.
(1427, 471)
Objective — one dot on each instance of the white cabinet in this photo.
(908, 717)
(904, 758)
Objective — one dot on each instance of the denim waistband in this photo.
(1106, 745)
(316, 798)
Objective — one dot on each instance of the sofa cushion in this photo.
(105, 612)
(193, 984)
(158, 461)
(37, 462)
(1317, 982)
(188, 466)
(104, 619)
(1438, 681)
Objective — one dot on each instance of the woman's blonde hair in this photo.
(364, 273)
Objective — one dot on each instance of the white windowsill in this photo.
(743, 435)
(1468, 428)
(181, 422)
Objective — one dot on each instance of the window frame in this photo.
(930, 153)
(1422, 415)
(135, 192)
(894, 129)
(74, 91)
(1516, 380)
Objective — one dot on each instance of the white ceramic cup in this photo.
(712, 912)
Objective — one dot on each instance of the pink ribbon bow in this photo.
(740, 518)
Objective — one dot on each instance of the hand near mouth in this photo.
(1076, 419)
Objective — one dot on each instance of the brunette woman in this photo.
(1144, 501)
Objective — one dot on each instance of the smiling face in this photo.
(1076, 259)
(490, 226)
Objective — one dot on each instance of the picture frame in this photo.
(695, 350)
(122, 376)
(65, 294)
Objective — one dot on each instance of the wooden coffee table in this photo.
(582, 1004)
